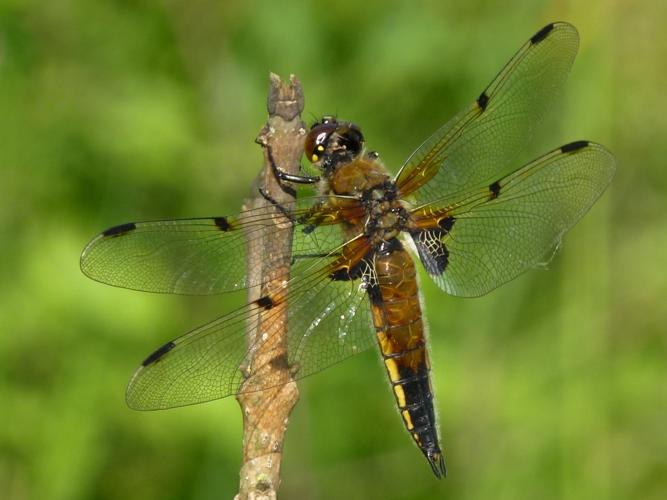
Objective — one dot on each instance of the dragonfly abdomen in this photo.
(399, 328)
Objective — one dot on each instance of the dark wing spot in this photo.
(573, 146)
(120, 230)
(158, 354)
(483, 101)
(347, 273)
(266, 302)
(374, 293)
(446, 223)
(341, 274)
(495, 190)
(222, 223)
(542, 34)
(432, 251)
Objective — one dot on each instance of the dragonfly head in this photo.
(330, 143)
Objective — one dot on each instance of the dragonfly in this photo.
(458, 204)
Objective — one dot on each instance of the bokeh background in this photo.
(554, 386)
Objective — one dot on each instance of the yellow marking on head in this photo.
(400, 395)
(314, 158)
(408, 419)
(320, 148)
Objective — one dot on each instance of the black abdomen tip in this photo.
(437, 462)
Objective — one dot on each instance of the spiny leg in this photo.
(283, 176)
(281, 208)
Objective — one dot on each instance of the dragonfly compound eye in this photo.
(318, 139)
(352, 139)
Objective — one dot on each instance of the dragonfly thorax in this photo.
(386, 215)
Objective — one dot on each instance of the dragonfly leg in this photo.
(282, 209)
(283, 176)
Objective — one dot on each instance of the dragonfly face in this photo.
(330, 143)
(474, 218)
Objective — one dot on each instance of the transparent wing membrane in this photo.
(478, 145)
(198, 256)
(516, 222)
(476, 220)
(328, 321)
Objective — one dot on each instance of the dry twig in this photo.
(266, 413)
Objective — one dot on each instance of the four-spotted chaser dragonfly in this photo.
(475, 220)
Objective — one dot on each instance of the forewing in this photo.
(477, 146)
(197, 256)
(328, 321)
(516, 222)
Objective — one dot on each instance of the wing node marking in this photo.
(483, 101)
(266, 302)
(495, 190)
(222, 223)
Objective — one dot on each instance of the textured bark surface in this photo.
(266, 413)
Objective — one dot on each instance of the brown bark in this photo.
(266, 413)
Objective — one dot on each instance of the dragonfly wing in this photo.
(477, 146)
(516, 222)
(187, 256)
(328, 321)
(198, 256)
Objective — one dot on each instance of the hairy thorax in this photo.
(366, 179)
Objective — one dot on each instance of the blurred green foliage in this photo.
(552, 387)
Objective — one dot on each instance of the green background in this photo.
(553, 386)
